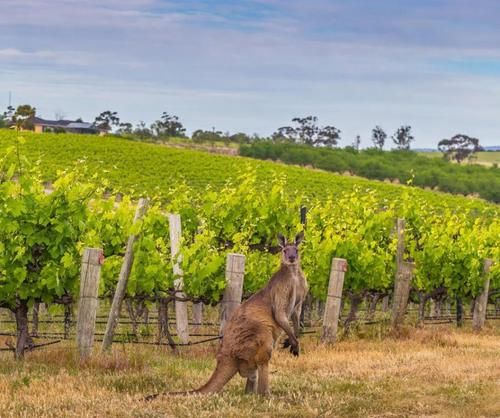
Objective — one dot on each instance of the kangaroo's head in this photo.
(290, 250)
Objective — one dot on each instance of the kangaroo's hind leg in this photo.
(251, 386)
(249, 371)
(262, 358)
(263, 379)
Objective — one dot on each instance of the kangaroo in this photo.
(255, 326)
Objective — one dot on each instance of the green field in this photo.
(147, 169)
(489, 157)
(483, 157)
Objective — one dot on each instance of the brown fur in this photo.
(255, 326)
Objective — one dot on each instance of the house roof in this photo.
(80, 125)
(40, 121)
(70, 124)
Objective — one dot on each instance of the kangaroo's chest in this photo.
(301, 287)
(295, 297)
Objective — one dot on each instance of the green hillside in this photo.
(424, 172)
(148, 169)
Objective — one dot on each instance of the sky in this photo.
(253, 65)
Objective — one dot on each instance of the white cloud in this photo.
(17, 53)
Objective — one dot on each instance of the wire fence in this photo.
(55, 328)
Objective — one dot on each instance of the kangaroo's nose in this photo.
(291, 258)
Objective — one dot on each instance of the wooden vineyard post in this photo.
(385, 303)
(197, 316)
(479, 315)
(401, 281)
(433, 310)
(333, 301)
(401, 293)
(90, 274)
(235, 272)
(121, 286)
(181, 313)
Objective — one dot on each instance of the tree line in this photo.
(302, 131)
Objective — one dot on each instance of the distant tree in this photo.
(240, 138)
(328, 136)
(168, 126)
(459, 147)
(23, 117)
(378, 137)
(80, 120)
(124, 128)
(402, 137)
(212, 136)
(306, 131)
(142, 131)
(356, 143)
(197, 135)
(226, 137)
(3, 121)
(257, 138)
(106, 120)
(284, 134)
(8, 114)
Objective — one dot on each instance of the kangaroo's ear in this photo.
(299, 238)
(281, 241)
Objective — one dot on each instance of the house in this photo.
(42, 125)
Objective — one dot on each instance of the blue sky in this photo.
(253, 65)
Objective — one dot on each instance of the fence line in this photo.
(233, 295)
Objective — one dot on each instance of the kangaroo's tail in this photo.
(225, 370)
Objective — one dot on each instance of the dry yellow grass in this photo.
(438, 372)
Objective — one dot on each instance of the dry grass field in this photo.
(433, 372)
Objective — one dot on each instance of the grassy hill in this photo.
(380, 165)
(148, 169)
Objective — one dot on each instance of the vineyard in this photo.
(140, 169)
(44, 232)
